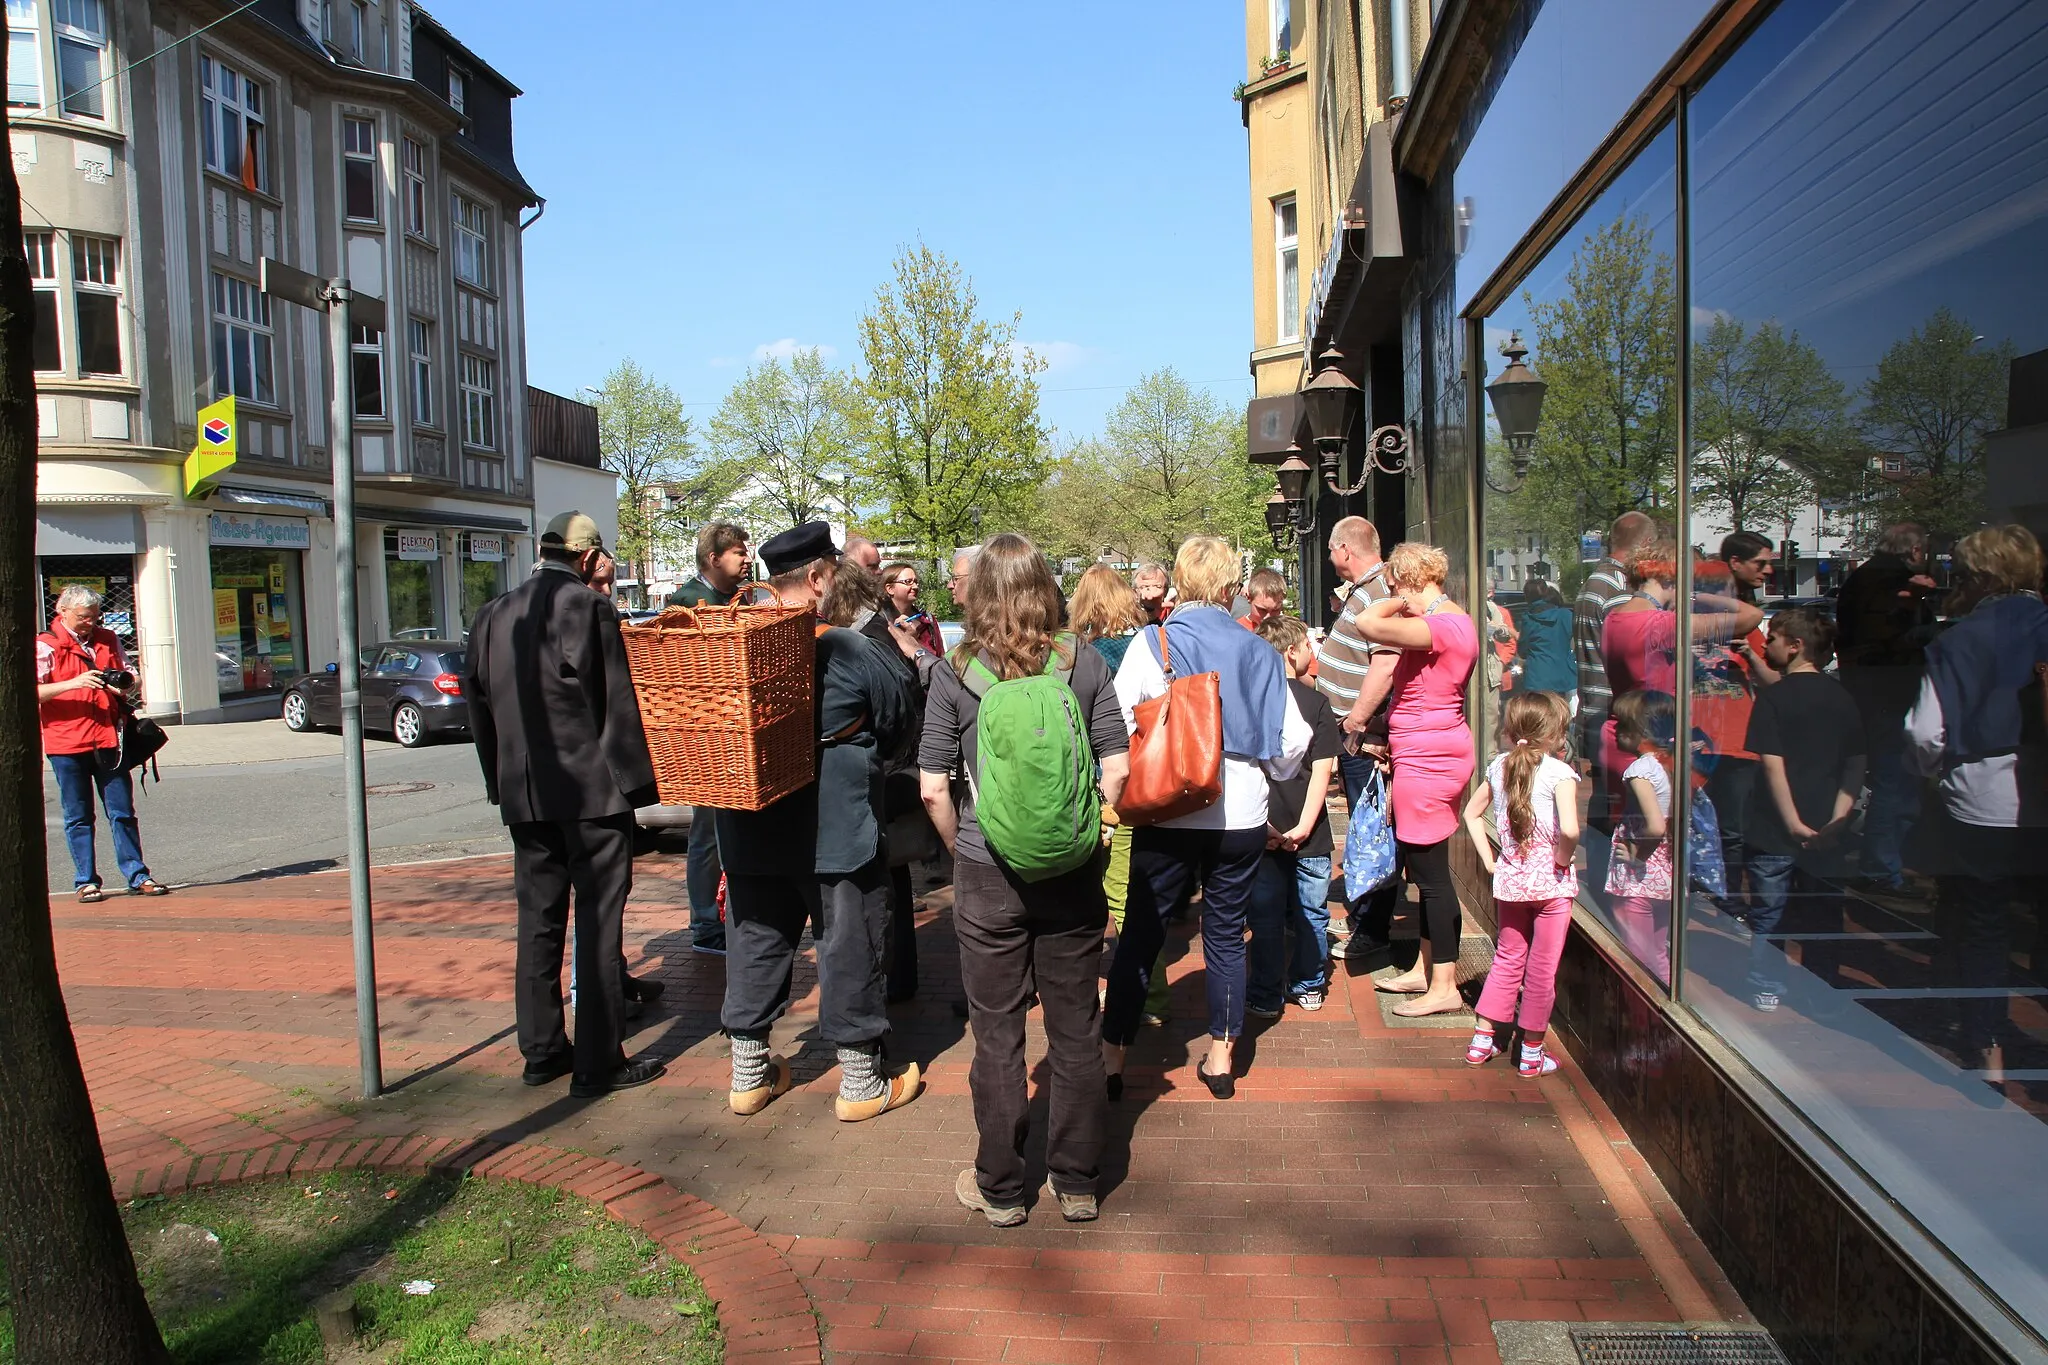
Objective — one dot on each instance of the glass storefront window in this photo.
(412, 583)
(483, 572)
(1868, 202)
(1599, 318)
(259, 640)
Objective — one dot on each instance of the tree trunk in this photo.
(71, 1279)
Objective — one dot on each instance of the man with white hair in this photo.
(1149, 582)
(82, 674)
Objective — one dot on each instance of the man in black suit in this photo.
(557, 729)
(819, 853)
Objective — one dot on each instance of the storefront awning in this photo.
(424, 516)
(88, 531)
(264, 497)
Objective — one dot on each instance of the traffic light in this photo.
(1788, 569)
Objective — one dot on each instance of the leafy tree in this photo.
(1771, 428)
(1606, 349)
(948, 413)
(783, 441)
(1934, 398)
(664, 487)
(71, 1283)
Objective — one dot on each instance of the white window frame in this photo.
(239, 112)
(81, 36)
(470, 233)
(359, 30)
(419, 341)
(96, 271)
(351, 154)
(39, 245)
(1281, 20)
(241, 329)
(25, 31)
(479, 402)
(1286, 265)
(414, 167)
(458, 89)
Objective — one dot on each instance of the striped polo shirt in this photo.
(1341, 663)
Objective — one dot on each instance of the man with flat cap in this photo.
(557, 729)
(819, 853)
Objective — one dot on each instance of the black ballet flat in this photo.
(1222, 1087)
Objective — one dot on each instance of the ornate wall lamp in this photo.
(1517, 399)
(1331, 401)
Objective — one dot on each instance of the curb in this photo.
(762, 1309)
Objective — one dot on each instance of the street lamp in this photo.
(1330, 400)
(1517, 399)
(1288, 513)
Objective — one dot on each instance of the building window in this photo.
(479, 402)
(41, 249)
(1283, 27)
(96, 284)
(359, 169)
(1287, 254)
(458, 91)
(359, 30)
(232, 119)
(415, 187)
(419, 338)
(24, 56)
(241, 341)
(472, 243)
(366, 365)
(81, 31)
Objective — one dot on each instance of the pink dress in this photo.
(1432, 745)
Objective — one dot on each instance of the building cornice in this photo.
(1273, 81)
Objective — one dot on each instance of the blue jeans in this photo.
(700, 874)
(77, 775)
(1770, 887)
(1167, 866)
(1893, 810)
(1290, 890)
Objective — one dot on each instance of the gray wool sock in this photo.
(860, 1074)
(749, 1063)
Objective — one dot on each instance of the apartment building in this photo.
(164, 148)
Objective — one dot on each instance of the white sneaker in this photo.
(1309, 1000)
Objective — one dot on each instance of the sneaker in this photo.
(1764, 1001)
(1152, 1020)
(968, 1191)
(1075, 1208)
(710, 949)
(1309, 1000)
(1263, 1011)
(1360, 946)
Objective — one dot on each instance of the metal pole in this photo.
(342, 419)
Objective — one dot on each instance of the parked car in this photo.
(412, 689)
(951, 633)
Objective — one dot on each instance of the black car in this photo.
(411, 688)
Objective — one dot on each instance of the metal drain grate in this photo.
(1605, 1346)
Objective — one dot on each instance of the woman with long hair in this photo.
(1432, 755)
(1104, 614)
(1018, 935)
(1219, 847)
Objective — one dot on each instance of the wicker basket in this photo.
(726, 698)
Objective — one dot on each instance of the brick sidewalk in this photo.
(1366, 1197)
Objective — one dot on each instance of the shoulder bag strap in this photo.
(1159, 648)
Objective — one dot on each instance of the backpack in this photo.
(1034, 775)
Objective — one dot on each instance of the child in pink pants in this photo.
(1532, 795)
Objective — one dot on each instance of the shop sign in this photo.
(486, 549)
(243, 531)
(418, 545)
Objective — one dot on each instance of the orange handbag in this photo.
(1177, 751)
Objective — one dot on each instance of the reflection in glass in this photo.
(1868, 202)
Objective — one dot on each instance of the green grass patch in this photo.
(520, 1276)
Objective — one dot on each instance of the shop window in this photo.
(483, 573)
(415, 157)
(96, 287)
(366, 357)
(231, 124)
(111, 576)
(412, 583)
(359, 169)
(41, 250)
(81, 31)
(1287, 268)
(24, 56)
(242, 364)
(259, 640)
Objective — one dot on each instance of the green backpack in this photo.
(1034, 791)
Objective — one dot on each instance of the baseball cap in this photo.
(572, 531)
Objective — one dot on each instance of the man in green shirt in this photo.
(722, 561)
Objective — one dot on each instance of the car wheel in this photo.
(408, 725)
(297, 717)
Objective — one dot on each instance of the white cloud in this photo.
(1703, 316)
(787, 347)
(1060, 355)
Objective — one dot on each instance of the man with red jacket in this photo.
(80, 709)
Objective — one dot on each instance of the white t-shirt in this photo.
(1529, 872)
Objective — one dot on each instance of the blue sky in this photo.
(727, 178)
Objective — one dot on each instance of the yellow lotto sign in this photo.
(214, 455)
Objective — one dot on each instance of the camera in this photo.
(120, 679)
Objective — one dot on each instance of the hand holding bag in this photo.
(1177, 750)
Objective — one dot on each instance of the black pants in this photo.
(594, 858)
(902, 934)
(1166, 867)
(1731, 787)
(1994, 876)
(1015, 936)
(765, 916)
(1429, 867)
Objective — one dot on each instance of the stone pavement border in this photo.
(763, 1311)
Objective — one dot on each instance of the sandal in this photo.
(149, 886)
(1481, 1050)
(90, 894)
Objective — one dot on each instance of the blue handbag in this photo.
(1709, 866)
(1369, 856)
